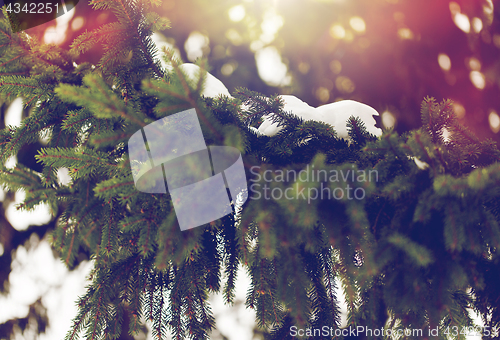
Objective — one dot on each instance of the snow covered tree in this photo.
(414, 247)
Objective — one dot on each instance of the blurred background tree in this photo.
(389, 54)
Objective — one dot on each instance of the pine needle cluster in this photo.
(417, 251)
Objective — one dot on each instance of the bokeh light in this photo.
(462, 22)
(358, 24)
(228, 68)
(345, 84)
(496, 40)
(322, 94)
(478, 79)
(474, 64)
(236, 13)
(196, 45)
(405, 34)
(234, 36)
(270, 26)
(494, 121)
(459, 110)
(388, 119)
(271, 68)
(57, 34)
(77, 23)
(477, 24)
(336, 66)
(337, 31)
(446, 134)
(444, 61)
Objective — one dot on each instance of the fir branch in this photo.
(419, 254)
(98, 98)
(81, 162)
(232, 261)
(19, 177)
(108, 189)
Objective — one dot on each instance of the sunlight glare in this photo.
(57, 34)
(271, 68)
(237, 13)
(195, 45)
(271, 24)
